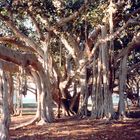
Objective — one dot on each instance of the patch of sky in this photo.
(115, 99)
(29, 98)
(28, 24)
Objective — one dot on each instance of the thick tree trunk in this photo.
(84, 91)
(108, 105)
(46, 99)
(122, 84)
(11, 93)
(5, 119)
(111, 11)
(97, 113)
(103, 106)
(46, 96)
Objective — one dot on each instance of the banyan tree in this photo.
(89, 45)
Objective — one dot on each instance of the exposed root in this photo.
(33, 121)
(41, 122)
(124, 118)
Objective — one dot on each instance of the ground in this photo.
(73, 128)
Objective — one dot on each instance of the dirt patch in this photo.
(77, 129)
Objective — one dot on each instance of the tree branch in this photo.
(133, 44)
(20, 35)
(8, 66)
(21, 59)
(14, 41)
(68, 46)
(111, 36)
(72, 41)
(36, 25)
(63, 21)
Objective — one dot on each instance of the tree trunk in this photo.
(19, 95)
(46, 99)
(68, 63)
(5, 119)
(103, 106)
(138, 92)
(97, 113)
(93, 94)
(111, 11)
(46, 96)
(122, 84)
(39, 90)
(84, 92)
(11, 93)
(108, 105)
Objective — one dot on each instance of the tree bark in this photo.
(122, 84)
(47, 97)
(103, 106)
(5, 119)
(138, 90)
(84, 91)
(39, 90)
(19, 95)
(10, 93)
(93, 94)
(108, 105)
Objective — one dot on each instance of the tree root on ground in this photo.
(33, 121)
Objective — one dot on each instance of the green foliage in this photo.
(79, 27)
(96, 13)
